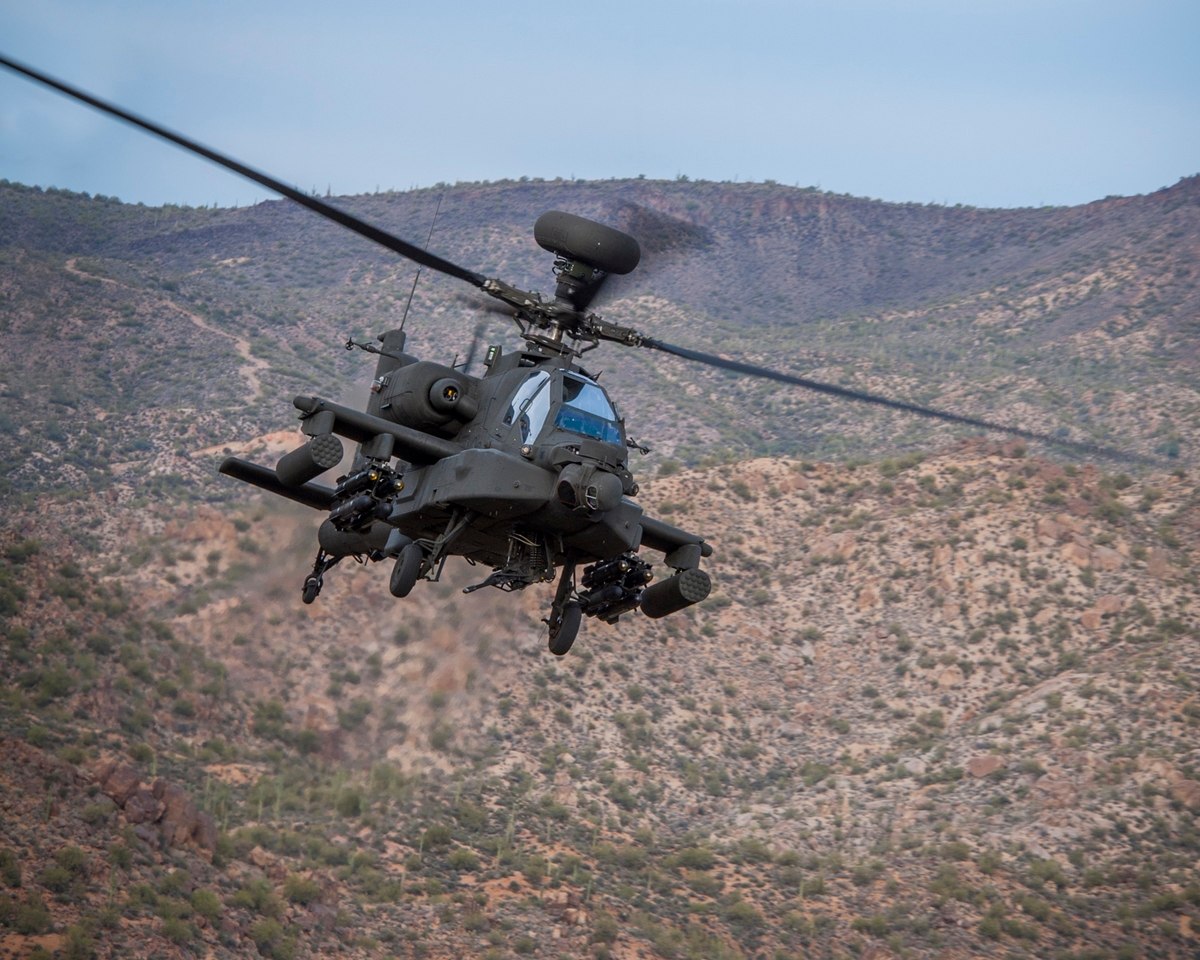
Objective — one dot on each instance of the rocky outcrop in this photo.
(164, 809)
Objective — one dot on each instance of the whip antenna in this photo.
(432, 223)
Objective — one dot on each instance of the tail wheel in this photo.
(312, 587)
(406, 571)
(564, 628)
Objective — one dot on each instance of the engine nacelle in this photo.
(430, 397)
(448, 396)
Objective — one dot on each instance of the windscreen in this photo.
(586, 410)
(530, 406)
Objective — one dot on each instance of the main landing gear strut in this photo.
(565, 614)
(609, 588)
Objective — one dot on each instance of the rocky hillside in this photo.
(943, 701)
(941, 706)
(136, 337)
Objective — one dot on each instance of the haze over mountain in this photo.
(943, 701)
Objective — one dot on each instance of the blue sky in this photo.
(1016, 103)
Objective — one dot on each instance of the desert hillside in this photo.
(943, 702)
(136, 337)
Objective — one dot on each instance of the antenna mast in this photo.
(417, 277)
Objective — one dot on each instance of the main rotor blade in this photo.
(863, 396)
(347, 220)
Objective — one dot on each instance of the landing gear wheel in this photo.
(406, 570)
(312, 587)
(316, 580)
(564, 628)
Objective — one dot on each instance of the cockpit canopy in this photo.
(586, 410)
(580, 406)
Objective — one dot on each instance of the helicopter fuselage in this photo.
(523, 470)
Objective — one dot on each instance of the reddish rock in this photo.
(143, 807)
(1187, 792)
(1106, 558)
(179, 813)
(1159, 566)
(1051, 530)
(1109, 605)
(1050, 472)
(1106, 606)
(204, 834)
(121, 783)
(983, 766)
(102, 769)
(1055, 793)
(1078, 507)
(952, 676)
(1077, 554)
(148, 835)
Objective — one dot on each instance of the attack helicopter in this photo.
(523, 469)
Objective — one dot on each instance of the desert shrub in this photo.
(10, 868)
(300, 889)
(463, 859)
(207, 904)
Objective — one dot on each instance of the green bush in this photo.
(605, 928)
(463, 859)
(32, 917)
(303, 890)
(743, 914)
(694, 858)
(269, 936)
(56, 878)
(10, 868)
(439, 835)
(350, 802)
(258, 895)
(178, 930)
(207, 904)
(78, 943)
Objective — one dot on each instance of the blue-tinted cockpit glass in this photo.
(587, 411)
